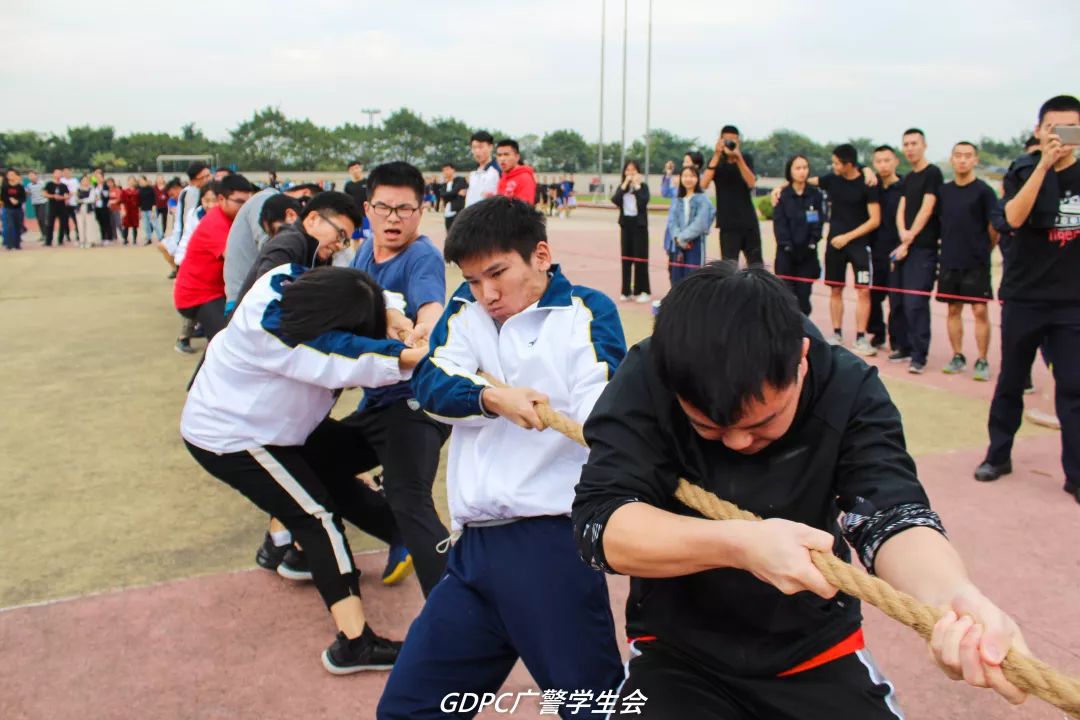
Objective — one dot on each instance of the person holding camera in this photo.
(733, 172)
(797, 223)
(632, 199)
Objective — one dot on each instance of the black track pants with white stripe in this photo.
(310, 489)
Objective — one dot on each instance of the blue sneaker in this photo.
(399, 565)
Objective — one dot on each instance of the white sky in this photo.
(832, 69)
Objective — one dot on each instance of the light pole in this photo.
(648, 97)
(600, 144)
(622, 142)
(371, 113)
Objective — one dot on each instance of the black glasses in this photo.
(403, 211)
(342, 236)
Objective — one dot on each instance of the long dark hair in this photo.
(695, 157)
(697, 174)
(333, 298)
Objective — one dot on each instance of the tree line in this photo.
(269, 140)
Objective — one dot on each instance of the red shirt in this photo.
(130, 199)
(519, 183)
(201, 277)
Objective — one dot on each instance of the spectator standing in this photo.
(116, 208)
(517, 179)
(917, 255)
(57, 192)
(129, 202)
(797, 223)
(14, 198)
(452, 192)
(886, 239)
(632, 199)
(484, 180)
(688, 224)
(668, 188)
(733, 172)
(39, 202)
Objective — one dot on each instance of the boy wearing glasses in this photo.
(325, 227)
(407, 265)
(199, 292)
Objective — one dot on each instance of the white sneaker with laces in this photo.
(643, 298)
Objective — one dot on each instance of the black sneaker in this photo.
(988, 472)
(269, 555)
(899, 356)
(171, 276)
(367, 652)
(916, 368)
(184, 347)
(294, 566)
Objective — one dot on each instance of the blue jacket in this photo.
(679, 231)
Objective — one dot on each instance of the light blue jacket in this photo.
(702, 214)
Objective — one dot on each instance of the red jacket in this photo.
(130, 199)
(201, 277)
(519, 183)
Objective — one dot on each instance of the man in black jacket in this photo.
(326, 226)
(737, 393)
(452, 193)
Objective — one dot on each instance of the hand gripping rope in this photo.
(1027, 673)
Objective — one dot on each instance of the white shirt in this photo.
(629, 204)
(482, 182)
(73, 186)
(256, 387)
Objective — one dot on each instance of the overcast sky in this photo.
(833, 69)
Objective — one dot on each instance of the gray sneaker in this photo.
(835, 339)
(863, 347)
(916, 368)
(982, 371)
(957, 365)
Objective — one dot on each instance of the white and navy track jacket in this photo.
(258, 387)
(567, 346)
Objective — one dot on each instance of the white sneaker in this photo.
(863, 347)
(835, 339)
(643, 298)
(624, 298)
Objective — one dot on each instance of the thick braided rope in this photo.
(1025, 672)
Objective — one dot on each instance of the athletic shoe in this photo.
(184, 347)
(170, 276)
(835, 339)
(878, 342)
(863, 347)
(988, 472)
(624, 298)
(957, 365)
(897, 356)
(916, 368)
(982, 371)
(269, 555)
(294, 566)
(643, 298)
(1073, 489)
(367, 652)
(399, 564)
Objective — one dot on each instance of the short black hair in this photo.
(846, 153)
(332, 298)
(174, 183)
(337, 203)
(914, 131)
(695, 157)
(729, 129)
(273, 210)
(1059, 103)
(495, 225)
(195, 168)
(791, 161)
(1031, 142)
(234, 183)
(354, 162)
(211, 187)
(448, 164)
(886, 148)
(697, 174)
(972, 145)
(722, 333)
(482, 136)
(507, 142)
(396, 174)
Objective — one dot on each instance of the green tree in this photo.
(405, 136)
(565, 151)
(107, 160)
(21, 161)
(263, 142)
(449, 142)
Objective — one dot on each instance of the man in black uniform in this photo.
(736, 218)
(356, 187)
(885, 241)
(730, 618)
(1040, 291)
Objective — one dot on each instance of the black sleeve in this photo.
(934, 181)
(627, 461)
(877, 486)
(749, 159)
(643, 196)
(616, 199)
(872, 195)
(274, 254)
(824, 181)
